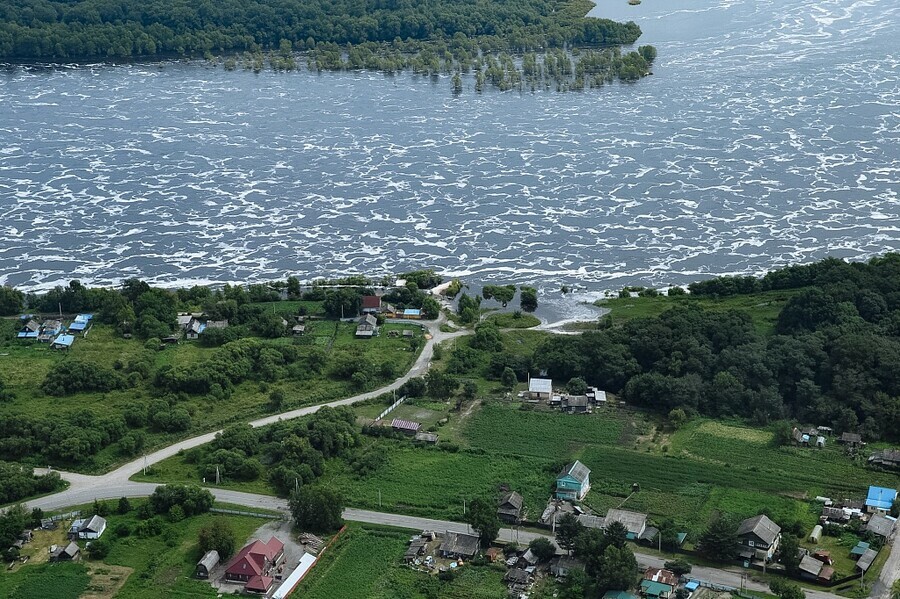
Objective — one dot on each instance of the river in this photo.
(768, 134)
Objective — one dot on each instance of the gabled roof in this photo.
(371, 301)
(661, 575)
(881, 525)
(866, 559)
(512, 500)
(460, 543)
(368, 319)
(251, 559)
(634, 522)
(761, 526)
(540, 386)
(405, 425)
(576, 470)
(64, 340)
(95, 524)
(811, 565)
(881, 497)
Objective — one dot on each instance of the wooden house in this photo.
(759, 538)
(573, 482)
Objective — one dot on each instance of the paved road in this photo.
(112, 485)
(85, 486)
(132, 489)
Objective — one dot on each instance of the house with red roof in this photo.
(255, 564)
(371, 304)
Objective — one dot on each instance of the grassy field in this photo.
(366, 562)
(763, 308)
(157, 567)
(509, 320)
(24, 366)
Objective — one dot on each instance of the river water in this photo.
(768, 134)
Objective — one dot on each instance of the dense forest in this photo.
(537, 44)
(57, 29)
(832, 359)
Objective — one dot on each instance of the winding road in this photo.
(85, 489)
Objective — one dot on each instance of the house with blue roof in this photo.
(30, 330)
(880, 499)
(63, 342)
(81, 323)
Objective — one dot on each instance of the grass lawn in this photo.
(367, 562)
(509, 320)
(763, 307)
(290, 308)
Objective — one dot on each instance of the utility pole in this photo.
(145, 464)
(379, 498)
(218, 478)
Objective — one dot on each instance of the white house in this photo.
(90, 528)
(540, 389)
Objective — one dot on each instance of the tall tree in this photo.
(316, 509)
(618, 569)
(567, 530)
(719, 541)
(482, 516)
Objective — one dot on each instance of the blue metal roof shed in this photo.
(63, 342)
(881, 498)
(78, 325)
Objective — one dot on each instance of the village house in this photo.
(68, 552)
(416, 549)
(49, 330)
(886, 458)
(813, 569)
(881, 525)
(879, 500)
(194, 328)
(573, 482)
(371, 304)
(851, 439)
(635, 523)
(517, 580)
(209, 561)
(561, 565)
(411, 314)
(575, 404)
(658, 583)
(255, 564)
(510, 508)
(63, 342)
(759, 538)
(366, 327)
(30, 330)
(540, 389)
(407, 427)
(87, 528)
(298, 330)
(184, 319)
(459, 545)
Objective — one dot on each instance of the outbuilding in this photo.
(209, 561)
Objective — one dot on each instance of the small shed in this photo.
(816, 535)
(406, 427)
(865, 561)
(820, 442)
(209, 561)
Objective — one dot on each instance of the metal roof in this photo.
(64, 340)
(576, 470)
(634, 522)
(866, 560)
(406, 425)
(762, 527)
(881, 497)
(881, 525)
(540, 385)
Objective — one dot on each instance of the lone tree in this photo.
(542, 548)
(615, 534)
(316, 509)
(789, 553)
(719, 540)
(786, 590)
(567, 530)
(482, 516)
(508, 379)
(218, 535)
(618, 569)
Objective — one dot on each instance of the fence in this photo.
(250, 514)
(391, 408)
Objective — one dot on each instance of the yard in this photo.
(366, 561)
(144, 567)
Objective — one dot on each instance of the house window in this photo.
(750, 543)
